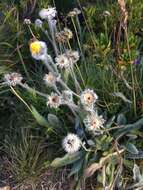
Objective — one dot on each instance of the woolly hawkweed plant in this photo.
(93, 141)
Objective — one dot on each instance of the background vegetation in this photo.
(23, 142)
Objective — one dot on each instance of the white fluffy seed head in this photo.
(49, 13)
(71, 143)
(12, 79)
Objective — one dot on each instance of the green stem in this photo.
(77, 66)
(76, 32)
(25, 86)
(132, 74)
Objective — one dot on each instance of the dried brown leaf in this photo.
(96, 166)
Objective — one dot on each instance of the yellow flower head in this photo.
(38, 49)
(35, 47)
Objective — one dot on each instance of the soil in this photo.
(49, 180)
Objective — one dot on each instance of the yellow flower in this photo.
(38, 50)
(35, 47)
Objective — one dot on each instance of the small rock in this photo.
(5, 188)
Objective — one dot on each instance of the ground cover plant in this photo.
(84, 91)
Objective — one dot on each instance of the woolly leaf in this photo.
(127, 128)
(131, 148)
(53, 120)
(110, 122)
(76, 167)
(135, 156)
(91, 142)
(122, 96)
(136, 174)
(131, 136)
(78, 128)
(67, 159)
(39, 118)
(121, 119)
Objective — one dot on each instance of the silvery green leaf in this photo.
(91, 142)
(109, 168)
(127, 128)
(131, 136)
(76, 167)
(122, 96)
(78, 128)
(53, 120)
(66, 160)
(104, 114)
(110, 122)
(132, 148)
(80, 133)
(99, 177)
(136, 174)
(77, 123)
(39, 118)
(135, 156)
(121, 119)
(126, 83)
